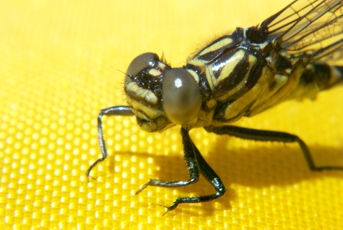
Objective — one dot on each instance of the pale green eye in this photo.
(181, 96)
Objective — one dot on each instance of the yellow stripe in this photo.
(252, 61)
(143, 111)
(229, 66)
(218, 45)
(197, 62)
(146, 95)
(154, 72)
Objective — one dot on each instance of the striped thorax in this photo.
(237, 75)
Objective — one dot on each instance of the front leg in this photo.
(111, 111)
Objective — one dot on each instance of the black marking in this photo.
(282, 64)
(340, 69)
(319, 73)
(203, 83)
(254, 76)
(256, 35)
(236, 76)
(149, 82)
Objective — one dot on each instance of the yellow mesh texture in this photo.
(59, 68)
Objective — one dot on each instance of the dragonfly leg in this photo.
(111, 111)
(207, 172)
(265, 135)
(196, 164)
(192, 167)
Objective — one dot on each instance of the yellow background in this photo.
(59, 66)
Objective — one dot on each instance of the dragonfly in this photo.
(293, 54)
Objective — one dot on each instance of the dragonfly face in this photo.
(143, 87)
(160, 96)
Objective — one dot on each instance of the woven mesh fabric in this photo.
(59, 67)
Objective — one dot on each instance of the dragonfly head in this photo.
(160, 96)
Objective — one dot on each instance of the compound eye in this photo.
(140, 63)
(181, 96)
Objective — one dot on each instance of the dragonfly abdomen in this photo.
(315, 78)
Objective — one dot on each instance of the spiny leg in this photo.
(265, 135)
(195, 163)
(207, 172)
(111, 111)
(192, 166)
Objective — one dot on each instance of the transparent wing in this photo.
(310, 27)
